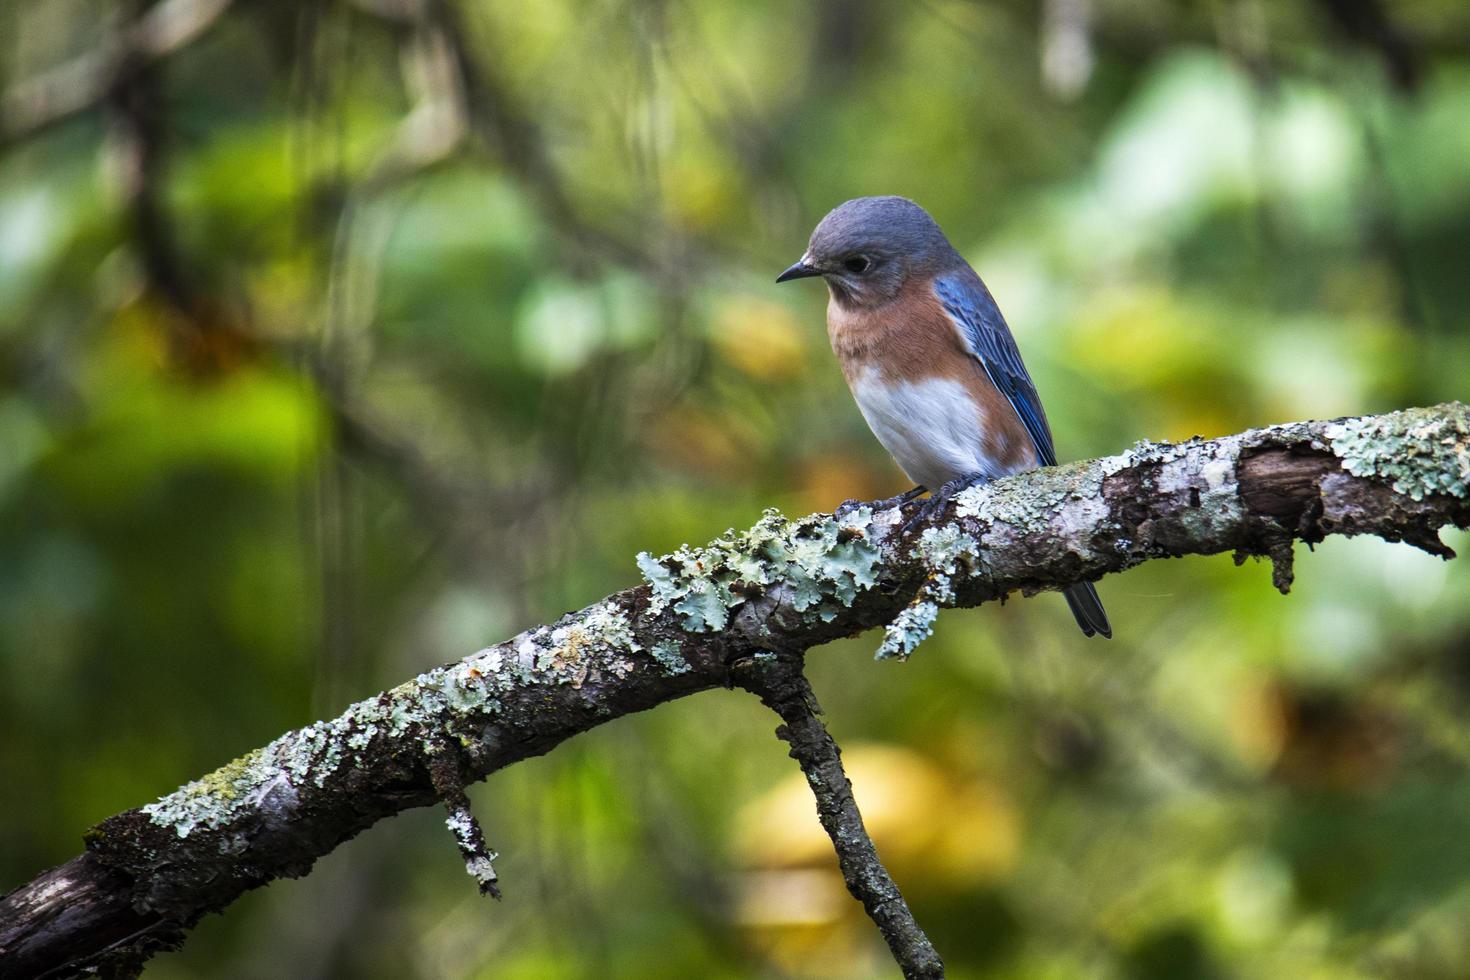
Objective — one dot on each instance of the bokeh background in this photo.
(340, 339)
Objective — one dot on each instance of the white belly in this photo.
(931, 428)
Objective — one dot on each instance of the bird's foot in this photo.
(902, 499)
(939, 498)
(850, 505)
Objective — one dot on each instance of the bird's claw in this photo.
(939, 498)
(902, 500)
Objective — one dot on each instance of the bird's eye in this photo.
(857, 265)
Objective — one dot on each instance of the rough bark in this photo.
(782, 686)
(782, 587)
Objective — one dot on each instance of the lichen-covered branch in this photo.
(783, 586)
(780, 683)
(449, 786)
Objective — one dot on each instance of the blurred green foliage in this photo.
(341, 339)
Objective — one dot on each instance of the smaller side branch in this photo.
(444, 771)
(782, 686)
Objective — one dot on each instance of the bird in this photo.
(929, 358)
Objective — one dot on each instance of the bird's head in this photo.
(867, 248)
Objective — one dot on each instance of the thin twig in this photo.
(782, 686)
(448, 778)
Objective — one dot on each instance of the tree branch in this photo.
(782, 687)
(149, 874)
(30, 106)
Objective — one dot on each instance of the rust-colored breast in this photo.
(910, 340)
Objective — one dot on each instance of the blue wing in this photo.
(966, 299)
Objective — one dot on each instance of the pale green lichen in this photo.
(909, 628)
(482, 870)
(945, 552)
(670, 657)
(602, 633)
(1026, 498)
(820, 559)
(1110, 465)
(973, 501)
(607, 626)
(1204, 474)
(477, 858)
(453, 700)
(1421, 452)
(210, 802)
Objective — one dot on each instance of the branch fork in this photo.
(781, 684)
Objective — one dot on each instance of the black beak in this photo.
(799, 271)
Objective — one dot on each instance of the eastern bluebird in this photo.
(929, 357)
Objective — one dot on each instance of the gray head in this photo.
(867, 248)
